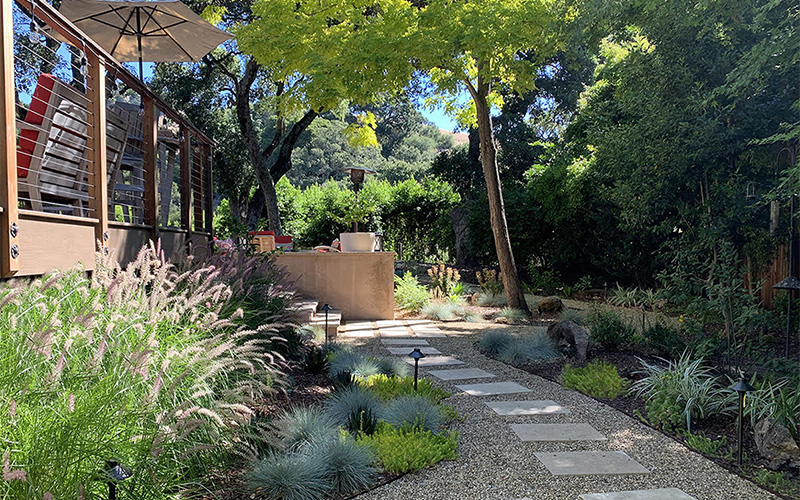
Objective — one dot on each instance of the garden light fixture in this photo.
(789, 283)
(115, 473)
(416, 354)
(742, 388)
(326, 308)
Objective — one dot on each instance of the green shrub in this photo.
(414, 412)
(403, 450)
(387, 388)
(301, 426)
(393, 366)
(544, 282)
(665, 340)
(348, 464)
(409, 294)
(292, 476)
(607, 329)
(534, 347)
(597, 379)
(490, 281)
(707, 446)
(355, 409)
(494, 341)
(680, 393)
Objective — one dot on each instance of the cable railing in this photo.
(92, 145)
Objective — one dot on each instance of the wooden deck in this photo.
(127, 157)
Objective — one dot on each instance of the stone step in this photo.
(405, 351)
(334, 321)
(589, 463)
(461, 374)
(493, 388)
(557, 432)
(302, 310)
(659, 494)
(533, 407)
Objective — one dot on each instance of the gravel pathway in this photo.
(494, 464)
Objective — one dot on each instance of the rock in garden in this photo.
(775, 443)
(571, 337)
(550, 305)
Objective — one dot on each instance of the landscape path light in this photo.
(326, 308)
(115, 473)
(416, 355)
(742, 388)
(789, 283)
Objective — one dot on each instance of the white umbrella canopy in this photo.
(138, 30)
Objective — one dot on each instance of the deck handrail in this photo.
(195, 147)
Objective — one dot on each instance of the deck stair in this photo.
(334, 321)
(307, 312)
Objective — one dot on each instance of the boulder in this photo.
(550, 305)
(570, 337)
(775, 443)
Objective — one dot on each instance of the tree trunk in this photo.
(255, 207)
(497, 212)
(465, 257)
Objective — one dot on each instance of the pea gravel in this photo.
(493, 464)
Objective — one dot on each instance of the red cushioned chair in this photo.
(51, 153)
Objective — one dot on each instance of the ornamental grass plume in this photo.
(147, 364)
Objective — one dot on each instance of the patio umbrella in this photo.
(157, 31)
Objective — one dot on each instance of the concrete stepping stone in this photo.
(405, 351)
(419, 322)
(389, 323)
(393, 333)
(425, 335)
(435, 361)
(358, 333)
(587, 463)
(659, 494)
(557, 432)
(493, 388)
(361, 325)
(404, 341)
(535, 407)
(460, 374)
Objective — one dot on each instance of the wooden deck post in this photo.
(96, 144)
(208, 189)
(150, 145)
(9, 218)
(186, 181)
(198, 158)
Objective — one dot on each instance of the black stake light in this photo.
(416, 354)
(115, 473)
(742, 388)
(326, 308)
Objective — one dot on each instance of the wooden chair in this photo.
(51, 152)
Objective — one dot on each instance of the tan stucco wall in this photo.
(360, 284)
